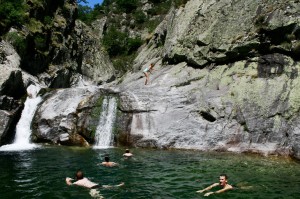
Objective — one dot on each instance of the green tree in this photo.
(126, 5)
(115, 42)
(84, 13)
(12, 13)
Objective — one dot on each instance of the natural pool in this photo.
(41, 173)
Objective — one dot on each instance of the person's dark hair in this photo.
(223, 174)
(79, 175)
(127, 150)
(106, 158)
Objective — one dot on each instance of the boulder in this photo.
(68, 116)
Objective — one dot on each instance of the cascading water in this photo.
(23, 130)
(104, 129)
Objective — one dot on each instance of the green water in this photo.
(155, 174)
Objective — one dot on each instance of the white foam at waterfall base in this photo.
(23, 130)
(103, 136)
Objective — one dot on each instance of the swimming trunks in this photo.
(146, 70)
(96, 186)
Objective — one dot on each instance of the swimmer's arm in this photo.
(111, 186)
(219, 191)
(224, 189)
(208, 188)
(102, 163)
(69, 181)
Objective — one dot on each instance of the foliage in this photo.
(119, 43)
(114, 42)
(178, 3)
(84, 13)
(17, 41)
(127, 6)
(161, 8)
(121, 48)
(12, 13)
(122, 63)
(156, 1)
(35, 26)
(48, 20)
(40, 42)
(139, 17)
(152, 24)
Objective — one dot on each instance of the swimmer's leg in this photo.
(96, 194)
(147, 78)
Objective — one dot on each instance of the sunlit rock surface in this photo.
(228, 82)
(67, 116)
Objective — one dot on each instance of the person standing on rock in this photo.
(147, 72)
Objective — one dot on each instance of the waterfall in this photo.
(107, 118)
(23, 130)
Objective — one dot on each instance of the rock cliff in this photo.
(225, 79)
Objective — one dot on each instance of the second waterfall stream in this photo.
(104, 131)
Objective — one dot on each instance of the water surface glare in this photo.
(40, 173)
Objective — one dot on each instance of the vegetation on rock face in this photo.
(129, 24)
(18, 41)
(12, 13)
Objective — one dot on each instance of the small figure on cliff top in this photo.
(223, 184)
(107, 163)
(147, 72)
(127, 154)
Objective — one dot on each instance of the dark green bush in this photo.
(160, 8)
(133, 45)
(123, 63)
(139, 17)
(119, 43)
(84, 13)
(40, 42)
(48, 20)
(115, 42)
(156, 1)
(17, 41)
(127, 5)
(12, 13)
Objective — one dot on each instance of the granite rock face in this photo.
(12, 87)
(226, 79)
(56, 119)
(69, 116)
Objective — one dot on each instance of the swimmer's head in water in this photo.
(223, 179)
(79, 175)
(127, 150)
(106, 158)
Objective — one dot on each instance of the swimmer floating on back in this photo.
(84, 182)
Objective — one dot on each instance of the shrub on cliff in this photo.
(12, 13)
